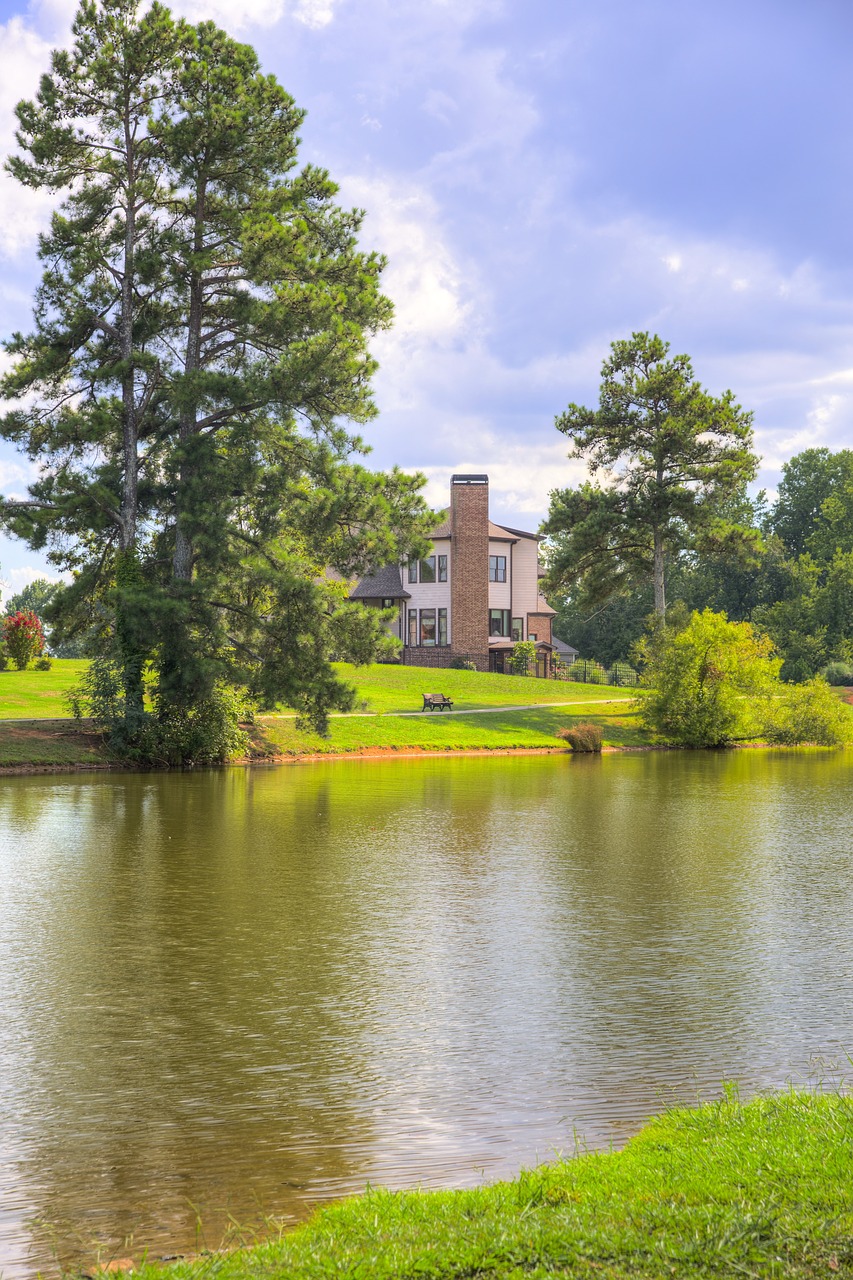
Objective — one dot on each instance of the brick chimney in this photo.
(469, 580)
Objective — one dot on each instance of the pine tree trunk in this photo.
(660, 588)
(131, 651)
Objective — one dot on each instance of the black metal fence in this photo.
(584, 671)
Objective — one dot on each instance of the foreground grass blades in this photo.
(761, 1189)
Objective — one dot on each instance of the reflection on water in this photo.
(244, 992)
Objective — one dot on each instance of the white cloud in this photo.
(24, 56)
(25, 574)
(432, 298)
(314, 14)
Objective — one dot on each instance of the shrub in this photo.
(522, 655)
(808, 712)
(463, 664)
(584, 738)
(44, 663)
(208, 733)
(709, 682)
(4, 658)
(23, 637)
(838, 673)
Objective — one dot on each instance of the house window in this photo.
(413, 571)
(413, 627)
(427, 626)
(499, 622)
(517, 629)
(442, 623)
(442, 568)
(531, 635)
(387, 602)
(497, 568)
(428, 569)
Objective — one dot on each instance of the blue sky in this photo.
(546, 176)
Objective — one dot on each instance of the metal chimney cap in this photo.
(469, 479)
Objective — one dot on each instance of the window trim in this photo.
(441, 632)
(497, 568)
(413, 571)
(413, 628)
(442, 569)
(512, 629)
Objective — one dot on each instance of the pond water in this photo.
(229, 996)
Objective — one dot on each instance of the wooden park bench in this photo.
(437, 700)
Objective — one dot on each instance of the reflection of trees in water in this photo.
(182, 1051)
(246, 987)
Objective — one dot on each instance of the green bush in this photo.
(44, 663)
(583, 738)
(522, 657)
(708, 683)
(838, 673)
(810, 713)
(4, 658)
(208, 733)
(463, 664)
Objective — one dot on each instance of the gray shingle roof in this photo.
(385, 583)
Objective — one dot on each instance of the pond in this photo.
(230, 996)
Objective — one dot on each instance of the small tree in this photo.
(23, 637)
(708, 683)
(522, 655)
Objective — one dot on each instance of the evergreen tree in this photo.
(672, 455)
(200, 342)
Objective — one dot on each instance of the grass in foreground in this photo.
(761, 1189)
(437, 731)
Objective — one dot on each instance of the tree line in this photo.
(666, 524)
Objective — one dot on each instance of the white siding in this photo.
(500, 592)
(525, 579)
(429, 595)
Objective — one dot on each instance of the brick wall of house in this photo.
(540, 625)
(427, 656)
(469, 579)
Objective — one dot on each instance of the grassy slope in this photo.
(392, 688)
(761, 1189)
(38, 695)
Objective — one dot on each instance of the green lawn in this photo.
(437, 731)
(39, 695)
(396, 688)
(725, 1190)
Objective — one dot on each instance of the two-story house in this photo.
(473, 596)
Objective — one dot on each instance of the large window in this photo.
(517, 629)
(499, 622)
(442, 626)
(497, 568)
(442, 568)
(427, 626)
(413, 571)
(413, 627)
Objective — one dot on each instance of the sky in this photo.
(547, 176)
